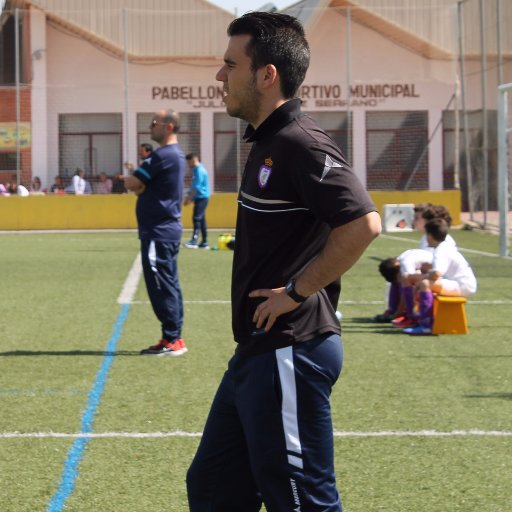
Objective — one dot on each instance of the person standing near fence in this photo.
(199, 194)
(158, 183)
(303, 220)
(145, 150)
(78, 183)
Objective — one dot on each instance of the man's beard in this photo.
(248, 107)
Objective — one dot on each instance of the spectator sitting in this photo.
(22, 191)
(118, 185)
(58, 187)
(35, 187)
(104, 185)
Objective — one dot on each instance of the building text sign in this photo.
(361, 95)
(313, 95)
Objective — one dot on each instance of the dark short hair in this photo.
(276, 39)
(421, 207)
(437, 211)
(390, 269)
(191, 156)
(148, 147)
(437, 228)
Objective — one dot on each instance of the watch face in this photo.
(290, 291)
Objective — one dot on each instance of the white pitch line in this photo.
(427, 433)
(181, 433)
(93, 435)
(462, 249)
(349, 302)
(131, 283)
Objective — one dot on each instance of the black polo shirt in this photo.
(296, 187)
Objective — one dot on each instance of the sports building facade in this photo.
(384, 82)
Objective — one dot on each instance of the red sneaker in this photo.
(406, 322)
(181, 347)
(166, 348)
(398, 319)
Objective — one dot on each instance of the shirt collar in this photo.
(280, 117)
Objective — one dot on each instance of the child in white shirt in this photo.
(450, 275)
(400, 293)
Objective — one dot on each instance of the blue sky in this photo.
(249, 5)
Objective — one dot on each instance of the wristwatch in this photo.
(290, 291)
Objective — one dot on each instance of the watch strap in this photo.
(290, 291)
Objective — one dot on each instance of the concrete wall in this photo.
(118, 211)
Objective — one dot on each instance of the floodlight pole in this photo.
(18, 93)
(126, 85)
(348, 61)
(485, 135)
(503, 165)
(469, 177)
(498, 42)
(456, 156)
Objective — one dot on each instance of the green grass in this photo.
(58, 301)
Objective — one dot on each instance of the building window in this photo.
(475, 131)
(7, 161)
(8, 46)
(396, 148)
(336, 126)
(231, 152)
(92, 142)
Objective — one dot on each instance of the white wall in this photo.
(39, 122)
(83, 78)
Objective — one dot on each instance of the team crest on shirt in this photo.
(265, 172)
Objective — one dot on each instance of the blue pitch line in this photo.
(75, 453)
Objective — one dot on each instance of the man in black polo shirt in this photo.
(158, 183)
(303, 220)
